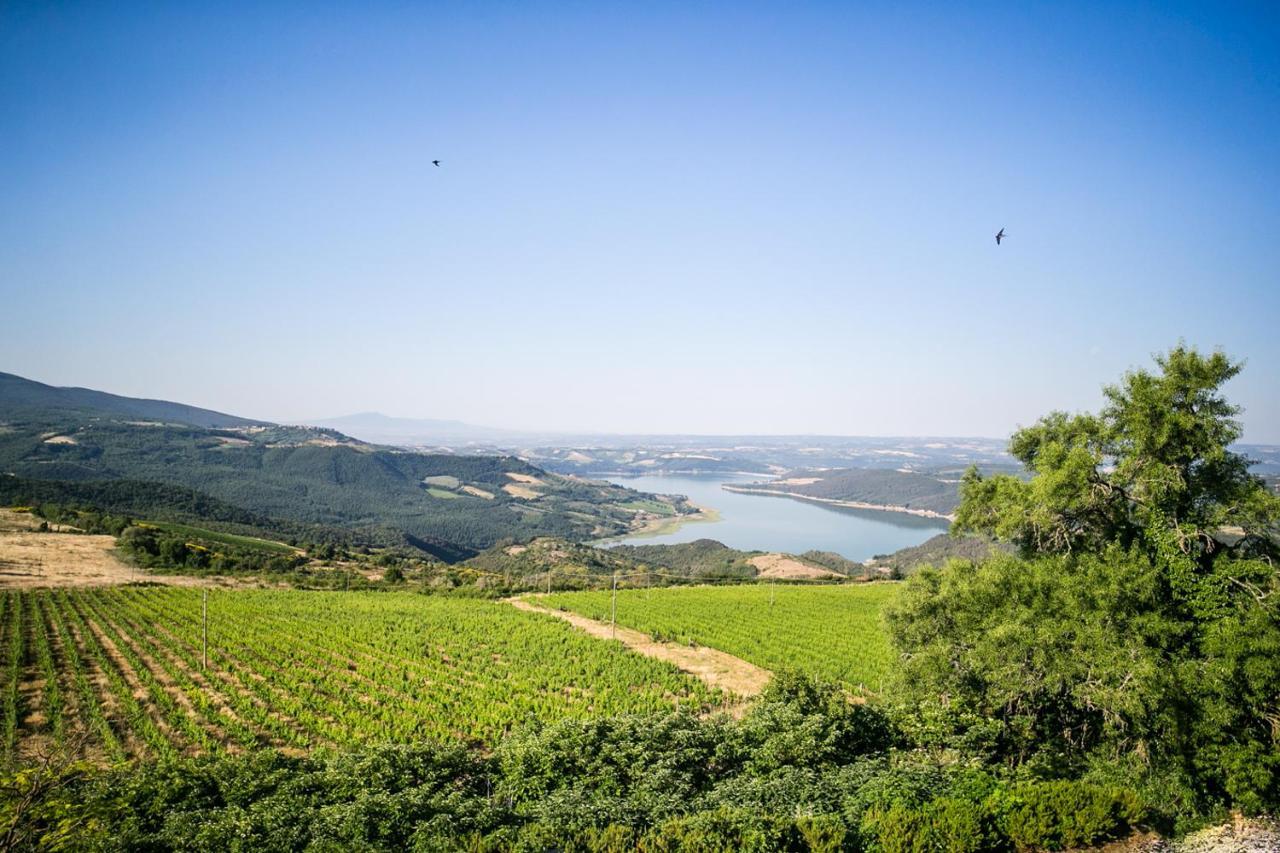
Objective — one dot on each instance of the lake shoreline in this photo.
(663, 526)
(922, 513)
(747, 523)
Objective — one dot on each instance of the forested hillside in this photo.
(911, 490)
(299, 474)
(25, 400)
(938, 551)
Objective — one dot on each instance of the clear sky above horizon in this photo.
(716, 218)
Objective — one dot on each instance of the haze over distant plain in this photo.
(724, 219)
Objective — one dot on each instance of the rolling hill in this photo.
(910, 491)
(462, 504)
(25, 400)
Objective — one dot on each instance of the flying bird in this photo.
(435, 162)
(999, 234)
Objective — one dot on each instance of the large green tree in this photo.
(1138, 634)
(1154, 468)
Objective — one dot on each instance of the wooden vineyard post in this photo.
(772, 583)
(613, 611)
(204, 660)
(549, 581)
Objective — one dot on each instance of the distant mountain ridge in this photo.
(25, 398)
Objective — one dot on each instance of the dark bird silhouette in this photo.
(435, 162)
(999, 234)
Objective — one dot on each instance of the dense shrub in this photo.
(723, 829)
(1059, 814)
(945, 824)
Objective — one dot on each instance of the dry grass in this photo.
(785, 567)
(30, 558)
(517, 491)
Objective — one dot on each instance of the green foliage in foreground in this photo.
(1152, 471)
(805, 770)
(831, 632)
(1135, 641)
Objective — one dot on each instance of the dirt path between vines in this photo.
(731, 674)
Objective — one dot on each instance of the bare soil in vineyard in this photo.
(31, 558)
(731, 674)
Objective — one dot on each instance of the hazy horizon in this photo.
(720, 220)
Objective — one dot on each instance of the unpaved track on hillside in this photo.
(731, 674)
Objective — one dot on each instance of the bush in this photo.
(946, 824)
(1026, 815)
(822, 833)
(1054, 815)
(722, 829)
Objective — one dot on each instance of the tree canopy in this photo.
(1137, 634)
(1154, 468)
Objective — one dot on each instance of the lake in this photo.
(764, 523)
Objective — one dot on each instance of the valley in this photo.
(505, 427)
(751, 517)
(183, 591)
(76, 445)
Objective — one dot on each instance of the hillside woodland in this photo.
(448, 505)
(930, 492)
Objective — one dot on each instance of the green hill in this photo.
(578, 566)
(908, 489)
(937, 551)
(302, 474)
(26, 400)
(700, 558)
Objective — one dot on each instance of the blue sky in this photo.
(731, 218)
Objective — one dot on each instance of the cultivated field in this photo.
(119, 670)
(830, 631)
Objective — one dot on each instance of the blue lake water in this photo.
(761, 522)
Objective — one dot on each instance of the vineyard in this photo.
(832, 632)
(120, 673)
